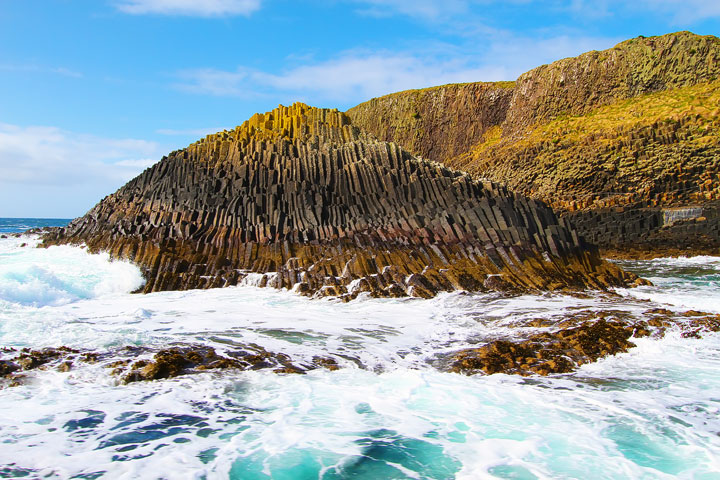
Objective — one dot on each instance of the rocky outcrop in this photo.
(300, 198)
(577, 86)
(134, 364)
(634, 128)
(535, 346)
(577, 340)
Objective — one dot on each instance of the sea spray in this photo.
(59, 275)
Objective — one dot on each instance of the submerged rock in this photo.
(17, 367)
(302, 196)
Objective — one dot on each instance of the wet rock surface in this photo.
(540, 346)
(582, 338)
(312, 203)
(135, 364)
(177, 361)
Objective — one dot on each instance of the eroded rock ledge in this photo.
(579, 339)
(301, 195)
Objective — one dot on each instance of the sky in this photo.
(92, 92)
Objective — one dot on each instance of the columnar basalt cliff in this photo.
(625, 143)
(300, 198)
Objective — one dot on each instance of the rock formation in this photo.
(624, 143)
(301, 198)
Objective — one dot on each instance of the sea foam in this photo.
(59, 275)
(388, 413)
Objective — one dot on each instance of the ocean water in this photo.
(390, 412)
(14, 225)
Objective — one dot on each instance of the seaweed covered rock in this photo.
(582, 338)
(300, 198)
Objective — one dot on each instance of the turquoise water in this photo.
(652, 413)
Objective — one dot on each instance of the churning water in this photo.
(390, 412)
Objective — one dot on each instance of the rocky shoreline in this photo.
(332, 204)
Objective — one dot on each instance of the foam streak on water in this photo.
(389, 413)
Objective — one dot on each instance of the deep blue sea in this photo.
(14, 225)
(389, 413)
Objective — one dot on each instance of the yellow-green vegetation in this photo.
(659, 147)
(699, 101)
(296, 122)
(447, 86)
(636, 123)
(283, 125)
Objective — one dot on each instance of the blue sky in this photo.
(94, 91)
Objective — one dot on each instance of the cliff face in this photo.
(575, 86)
(613, 140)
(436, 123)
(310, 202)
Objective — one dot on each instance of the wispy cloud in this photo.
(355, 76)
(200, 8)
(685, 12)
(51, 156)
(32, 68)
(346, 78)
(47, 171)
(423, 9)
(216, 82)
(521, 54)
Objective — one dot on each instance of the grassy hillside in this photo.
(637, 122)
(661, 148)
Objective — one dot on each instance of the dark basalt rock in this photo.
(301, 195)
(31, 359)
(7, 367)
(183, 360)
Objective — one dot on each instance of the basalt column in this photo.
(300, 198)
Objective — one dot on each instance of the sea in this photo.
(390, 412)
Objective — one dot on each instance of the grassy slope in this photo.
(660, 148)
(635, 123)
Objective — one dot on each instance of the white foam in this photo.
(59, 275)
(682, 283)
(649, 413)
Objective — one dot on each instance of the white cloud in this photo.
(356, 76)
(348, 78)
(201, 8)
(215, 82)
(46, 171)
(190, 132)
(432, 10)
(685, 12)
(49, 155)
(521, 54)
(425, 9)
